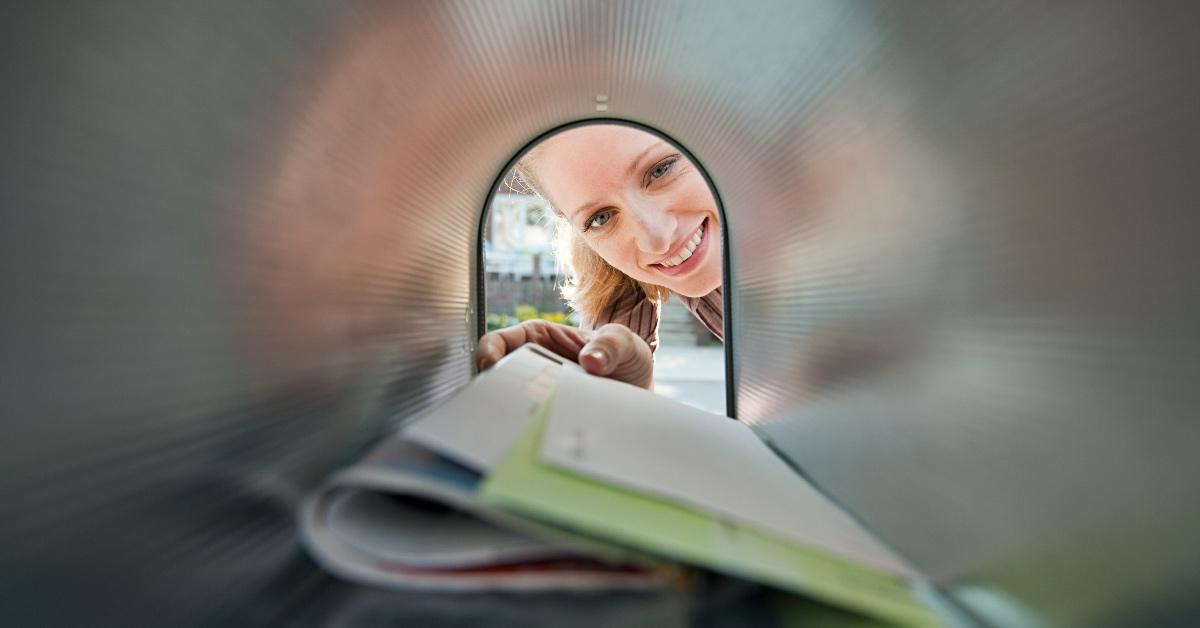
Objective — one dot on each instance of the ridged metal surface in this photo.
(237, 246)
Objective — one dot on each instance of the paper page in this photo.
(477, 426)
(630, 436)
(405, 517)
(388, 528)
(524, 484)
(363, 561)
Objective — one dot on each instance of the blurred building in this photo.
(518, 256)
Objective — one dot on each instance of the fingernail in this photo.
(598, 356)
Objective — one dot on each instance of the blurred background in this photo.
(239, 246)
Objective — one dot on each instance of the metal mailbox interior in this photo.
(240, 241)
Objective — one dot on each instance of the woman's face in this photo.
(638, 203)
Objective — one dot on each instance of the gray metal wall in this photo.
(237, 245)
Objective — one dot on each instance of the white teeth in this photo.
(687, 250)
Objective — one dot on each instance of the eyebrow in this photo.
(586, 207)
(637, 160)
(633, 165)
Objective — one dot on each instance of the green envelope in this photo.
(522, 483)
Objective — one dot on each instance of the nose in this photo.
(655, 229)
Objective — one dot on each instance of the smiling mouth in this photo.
(691, 251)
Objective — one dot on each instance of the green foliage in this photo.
(556, 317)
(522, 313)
(500, 321)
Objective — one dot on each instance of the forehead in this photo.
(588, 159)
(593, 138)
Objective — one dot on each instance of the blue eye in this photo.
(662, 169)
(599, 219)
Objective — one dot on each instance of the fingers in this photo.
(612, 351)
(563, 340)
(492, 347)
(615, 351)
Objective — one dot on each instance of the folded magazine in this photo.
(537, 476)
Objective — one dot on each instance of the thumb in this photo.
(615, 351)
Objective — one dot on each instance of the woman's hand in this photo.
(610, 351)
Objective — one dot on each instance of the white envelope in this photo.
(477, 426)
(633, 438)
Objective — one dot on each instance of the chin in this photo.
(694, 293)
(699, 286)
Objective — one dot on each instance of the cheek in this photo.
(694, 196)
(619, 251)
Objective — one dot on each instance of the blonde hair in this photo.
(591, 284)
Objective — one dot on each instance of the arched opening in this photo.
(609, 221)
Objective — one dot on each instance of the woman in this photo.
(637, 222)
